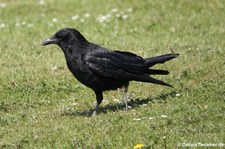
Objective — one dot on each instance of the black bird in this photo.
(102, 69)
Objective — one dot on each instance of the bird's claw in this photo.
(94, 113)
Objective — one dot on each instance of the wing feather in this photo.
(120, 66)
(118, 60)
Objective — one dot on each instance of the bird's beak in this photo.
(50, 40)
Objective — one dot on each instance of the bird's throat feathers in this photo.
(72, 49)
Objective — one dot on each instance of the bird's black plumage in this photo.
(102, 69)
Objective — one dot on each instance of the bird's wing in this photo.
(116, 64)
(124, 66)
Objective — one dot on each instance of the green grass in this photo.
(41, 104)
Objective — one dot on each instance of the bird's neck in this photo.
(71, 50)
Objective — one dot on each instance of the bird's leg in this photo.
(99, 98)
(95, 110)
(125, 97)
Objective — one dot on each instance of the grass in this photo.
(41, 104)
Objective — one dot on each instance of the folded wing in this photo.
(120, 65)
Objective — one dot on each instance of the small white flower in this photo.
(23, 23)
(116, 100)
(75, 17)
(2, 25)
(177, 95)
(102, 19)
(108, 16)
(86, 15)
(137, 119)
(124, 16)
(164, 116)
(114, 10)
(54, 67)
(144, 105)
(173, 29)
(74, 104)
(150, 118)
(55, 20)
(129, 9)
(17, 24)
(2, 5)
(41, 2)
(118, 15)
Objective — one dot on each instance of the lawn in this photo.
(43, 106)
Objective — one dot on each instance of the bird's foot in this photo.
(126, 97)
(95, 110)
(94, 113)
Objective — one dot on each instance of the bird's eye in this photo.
(58, 36)
(64, 37)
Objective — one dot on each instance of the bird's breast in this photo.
(90, 78)
(80, 70)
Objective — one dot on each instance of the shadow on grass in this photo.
(162, 98)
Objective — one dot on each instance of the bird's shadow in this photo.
(133, 103)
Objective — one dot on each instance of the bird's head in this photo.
(66, 36)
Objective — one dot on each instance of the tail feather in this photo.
(160, 59)
(155, 81)
(156, 72)
(155, 60)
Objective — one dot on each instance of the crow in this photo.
(102, 69)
